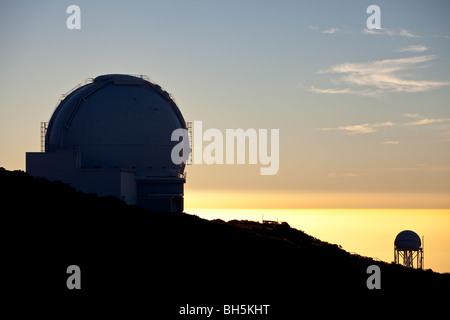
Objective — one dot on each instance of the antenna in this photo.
(423, 252)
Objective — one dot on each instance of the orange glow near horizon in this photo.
(362, 223)
(251, 199)
(367, 232)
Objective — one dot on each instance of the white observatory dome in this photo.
(118, 121)
(112, 136)
(407, 240)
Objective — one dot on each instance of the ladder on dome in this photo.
(189, 128)
(44, 126)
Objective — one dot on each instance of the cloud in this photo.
(413, 48)
(406, 33)
(366, 93)
(426, 121)
(365, 128)
(377, 77)
(411, 115)
(343, 175)
(373, 127)
(391, 32)
(360, 128)
(422, 121)
(445, 36)
(331, 30)
(331, 91)
(419, 168)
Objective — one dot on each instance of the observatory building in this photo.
(407, 249)
(112, 136)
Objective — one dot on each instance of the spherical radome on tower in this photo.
(112, 136)
(407, 240)
(408, 250)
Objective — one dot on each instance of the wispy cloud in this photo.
(360, 128)
(374, 127)
(406, 33)
(445, 36)
(390, 142)
(418, 168)
(365, 93)
(426, 121)
(411, 115)
(331, 30)
(422, 121)
(377, 77)
(391, 32)
(343, 175)
(413, 48)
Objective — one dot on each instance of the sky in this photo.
(363, 115)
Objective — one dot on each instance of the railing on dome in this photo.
(82, 83)
(143, 76)
(90, 80)
(147, 78)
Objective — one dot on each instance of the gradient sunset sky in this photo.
(364, 115)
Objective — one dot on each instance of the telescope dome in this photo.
(118, 121)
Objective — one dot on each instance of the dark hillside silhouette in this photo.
(135, 260)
